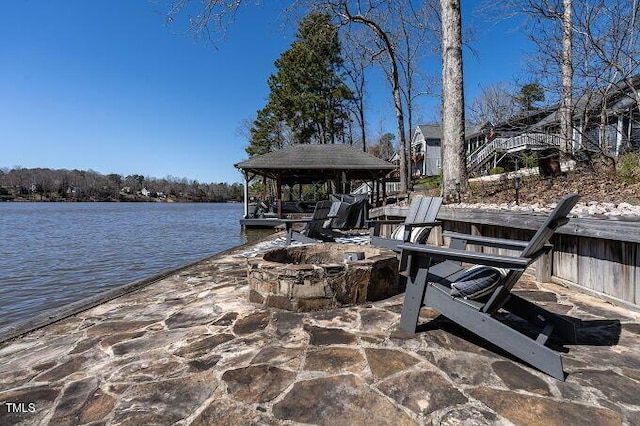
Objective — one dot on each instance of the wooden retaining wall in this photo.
(601, 256)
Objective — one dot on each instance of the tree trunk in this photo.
(395, 85)
(403, 140)
(409, 146)
(363, 128)
(410, 136)
(566, 127)
(454, 166)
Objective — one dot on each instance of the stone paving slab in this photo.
(192, 350)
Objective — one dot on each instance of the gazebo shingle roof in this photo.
(310, 161)
(307, 156)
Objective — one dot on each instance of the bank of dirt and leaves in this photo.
(594, 182)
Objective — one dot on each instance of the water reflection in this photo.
(52, 254)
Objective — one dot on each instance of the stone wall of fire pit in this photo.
(322, 276)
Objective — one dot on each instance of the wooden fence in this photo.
(601, 256)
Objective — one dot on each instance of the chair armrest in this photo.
(288, 223)
(489, 241)
(371, 223)
(442, 253)
(418, 224)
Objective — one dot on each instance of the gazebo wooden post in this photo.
(384, 191)
(373, 193)
(265, 188)
(246, 193)
(279, 196)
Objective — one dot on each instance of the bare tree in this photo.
(494, 104)
(566, 106)
(589, 49)
(549, 24)
(390, 23)
(204, 18)
(374, 15)
(454, 167)
(608, 47)
(244, 128)
(418, 33)
(216, 15)
(356, 62)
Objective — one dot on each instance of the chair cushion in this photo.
(418, 234)
(477, 281)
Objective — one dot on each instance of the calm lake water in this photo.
(52, 254)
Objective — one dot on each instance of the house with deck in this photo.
(426, 146)
(605, 121)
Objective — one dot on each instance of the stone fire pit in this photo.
(322, 276)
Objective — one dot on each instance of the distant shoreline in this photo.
(127, 200)
(41, 184)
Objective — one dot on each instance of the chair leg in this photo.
(296, 236)
(494, 331)
(535, 314)
(414, 293)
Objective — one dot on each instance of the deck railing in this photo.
(533, 141)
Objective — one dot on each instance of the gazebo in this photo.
(306, 163)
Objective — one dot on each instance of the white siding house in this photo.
(426, 146)
(426, 150)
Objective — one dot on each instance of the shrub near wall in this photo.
(629, 167)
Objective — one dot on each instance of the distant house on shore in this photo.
(145, 192)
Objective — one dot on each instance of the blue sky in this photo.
(106, 85)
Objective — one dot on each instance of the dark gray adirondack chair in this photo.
(318, 228)
(415, 228)
(432, 270)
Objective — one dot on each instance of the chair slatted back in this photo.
(319, 218)
(557, 218)
(535, 248)
(422, 210)
(339, 215)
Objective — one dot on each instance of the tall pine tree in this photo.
(267, 133)
(308, 93)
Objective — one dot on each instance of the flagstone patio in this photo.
(191, 349)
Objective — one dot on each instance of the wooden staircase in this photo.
(497, 148)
